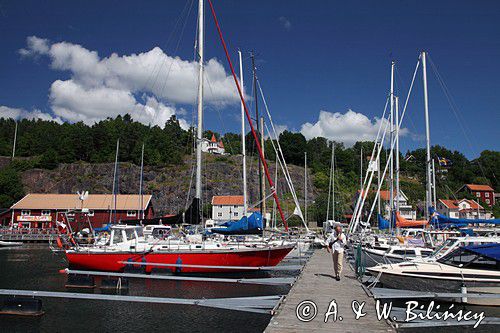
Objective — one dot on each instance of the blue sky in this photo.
(313, 56)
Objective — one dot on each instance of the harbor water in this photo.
(37, 268)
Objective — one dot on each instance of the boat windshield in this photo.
(444, 247)
(130, 234)
(117, 236)
(466, 259)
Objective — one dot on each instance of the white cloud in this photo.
(285, 23)
(348, 127)
(15, 113)
(105, 87)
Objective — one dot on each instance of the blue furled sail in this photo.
(443, 222)
(488, 250)
(250, 225)
(383, 224)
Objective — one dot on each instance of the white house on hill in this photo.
(212, 146)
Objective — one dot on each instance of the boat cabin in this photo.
(125, 233)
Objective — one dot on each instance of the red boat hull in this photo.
(110, 262)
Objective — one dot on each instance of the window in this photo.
(25, 212)
(90, 213)
(478, 194)
(235, 206)
(45, 212)
(220, 206)
(219, 214)
(486, 195)
(131, 213)
(487, 201)
(235, 214)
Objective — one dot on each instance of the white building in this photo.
(212, 146)
(405, 210)
(463, 209)
(227, 207)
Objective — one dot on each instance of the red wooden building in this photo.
(482, 192)
(43, 210)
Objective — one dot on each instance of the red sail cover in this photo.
(401, 222)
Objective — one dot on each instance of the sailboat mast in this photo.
(434, 200)
(378, 178)
(115, 174)
(305, 186)
(199, 135)
(428, 137)
(396, 101)
(333, 181)
(141, 197)
(14, 143)
(243, 148)
(258, 130)
(391, 167)
(262, 176)
(361, 169)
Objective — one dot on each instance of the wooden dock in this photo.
(317, 284)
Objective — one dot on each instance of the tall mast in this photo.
(396, 101)
(141, 197)
(361, 168)
(305, 186)
(243, 149)
(378, 178)
(391, 171)
(434, 200)
(262, 175)
(258, 131)
(428, 137)
(333, 181)
(14, 143)
(115, 174)
(199, 135)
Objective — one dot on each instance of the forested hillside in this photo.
(45, 145)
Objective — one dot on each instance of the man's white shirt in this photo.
(339, 244)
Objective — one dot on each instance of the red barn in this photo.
(43, 210)
(482, 192)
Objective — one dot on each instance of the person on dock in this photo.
(336, 243)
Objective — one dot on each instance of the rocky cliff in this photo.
(171, 186)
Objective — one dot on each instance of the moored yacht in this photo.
(127, 245)
(473, 268)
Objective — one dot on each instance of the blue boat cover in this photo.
(442, 222)
(488, 250)
(383, 224)
(103, 229)
(246, 225)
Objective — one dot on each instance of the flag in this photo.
(444, 162)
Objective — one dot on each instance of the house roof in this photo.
(453, 204)
(227, 200)
(221, 144)
(476, 187)
(72, 201)
(213, 139)
(386, 195)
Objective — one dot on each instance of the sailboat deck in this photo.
(316, 284)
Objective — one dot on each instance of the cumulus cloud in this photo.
(15, 113)
(105, 87)
(285, 23)
(348, 127)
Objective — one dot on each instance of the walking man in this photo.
(336, 243)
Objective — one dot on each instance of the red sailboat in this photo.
(127, 247)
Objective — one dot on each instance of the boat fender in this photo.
(401, 239)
